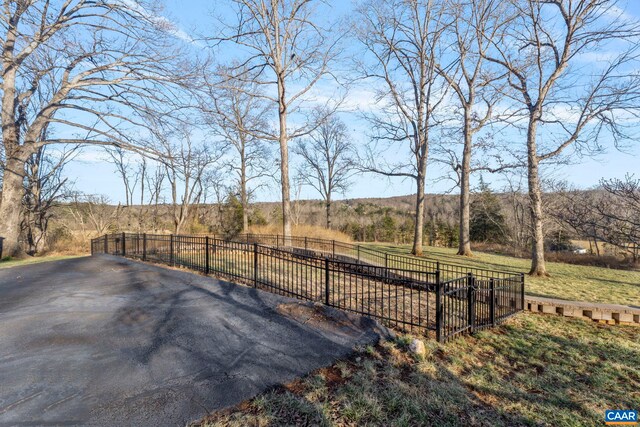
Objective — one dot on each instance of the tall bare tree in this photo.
(186, 162)
(239, 116)
(327, 159)
(129, 174)
(288, 52)
(94, 214)
(609, 213)
(472, 25)
(402, 40)
(45, 187)
(621, 211)
(155, 184)
(543, 50)
(84, 69)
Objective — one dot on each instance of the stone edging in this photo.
(611, 314)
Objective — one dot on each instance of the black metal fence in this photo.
(369, 255)
(402, 292)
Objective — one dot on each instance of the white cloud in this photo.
(169, 26)
(616, 13)
(601, 56)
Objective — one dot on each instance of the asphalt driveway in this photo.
(107, 341)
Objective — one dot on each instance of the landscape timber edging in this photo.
(611, 314)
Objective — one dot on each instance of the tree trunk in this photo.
(418, 231)
(328, 207)
(464, 244)
(419, 226)
(14, 168)
(245, 213)
(10, 205)
(36, 238)
(244, 198)
(284, 166)
(538, 267)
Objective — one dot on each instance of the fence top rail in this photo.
(381, 268)
(378, 252)
(444, 266)
(461, 279)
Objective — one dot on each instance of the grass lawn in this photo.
(6, 263)
(567, 281)
(534, 370)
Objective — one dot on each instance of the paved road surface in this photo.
(106, 341)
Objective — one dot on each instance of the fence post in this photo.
(255, 265)
(334, 248)
(144, 246)
(206, 255)
(358, 253)
(386, 260)
(470, 302)
(326, 280)
(124, 251)
(305, 243)
(171, 260)
(492, 303)
(106, 244)
(439, 336)
(522, 291)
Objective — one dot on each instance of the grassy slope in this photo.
(567, 281)
(34, 260)
(534, 370)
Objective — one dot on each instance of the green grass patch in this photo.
(533, 371)
(567, 281)
(11, 262)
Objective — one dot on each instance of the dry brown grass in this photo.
(311, 231)
(70, 243)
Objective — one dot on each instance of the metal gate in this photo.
(467, 304)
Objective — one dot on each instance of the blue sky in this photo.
(194, 17)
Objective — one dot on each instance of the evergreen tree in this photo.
(487, 220)
(231, 218)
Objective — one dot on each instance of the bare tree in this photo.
(289, 52)
(186, 162)
(129, 174)
(94, 212)
(402, 39)
(297, 205)
(622, 211)
(155, 183)
(516, 210)
(216, 189)
(83, 69)
(239, 116)
(540, 49)
(609, 214)
(327, 157)
(472, 26)
(45, 187)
